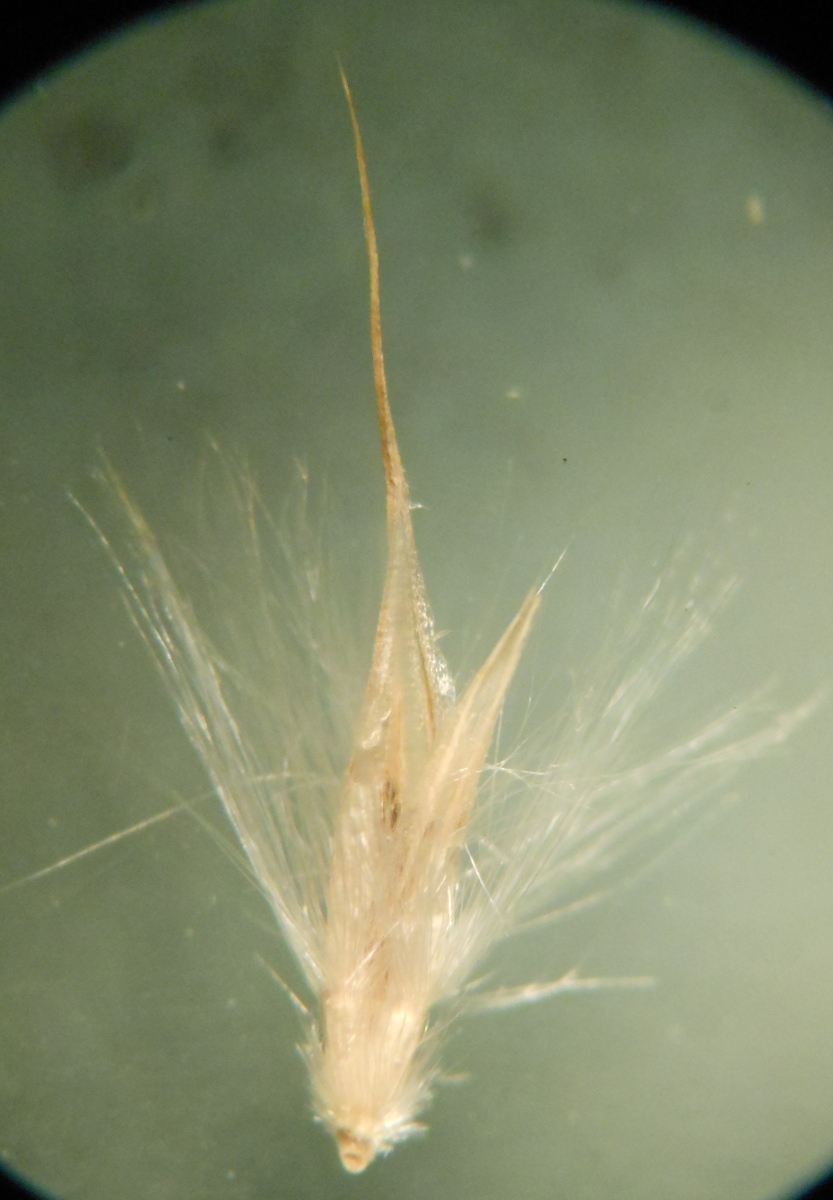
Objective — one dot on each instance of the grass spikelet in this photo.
(392, 852)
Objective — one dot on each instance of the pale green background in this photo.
(569, 272)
